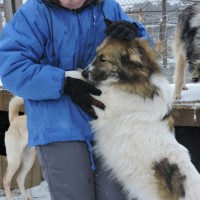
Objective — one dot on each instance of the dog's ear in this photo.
(125, 58)
(130, 55)
(146, 55)
(138, 56)
(131, 67)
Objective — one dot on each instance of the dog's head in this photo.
(128, 65)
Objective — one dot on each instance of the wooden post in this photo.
(18, 3)
(8, 10)
(13, 2)
(163, 33)
(11, 7)
(141, 15)
(1, 22)
(1, 19)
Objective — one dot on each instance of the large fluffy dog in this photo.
(187, 47)
(16, 139)
(135, 134)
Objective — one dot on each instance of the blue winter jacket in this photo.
(37, 46)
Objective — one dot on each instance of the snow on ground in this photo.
(191, 94)
(39, 192)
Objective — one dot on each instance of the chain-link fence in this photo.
(160, 18)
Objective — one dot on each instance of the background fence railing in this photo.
(158, 16)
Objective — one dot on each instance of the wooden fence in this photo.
(7, 9)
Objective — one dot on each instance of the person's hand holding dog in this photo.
(122, 30)
(80, 92)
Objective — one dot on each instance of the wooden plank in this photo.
(186, 117)
(186, 113)
(1, 22)
(18, 4)
(8, 10)
(5, 97)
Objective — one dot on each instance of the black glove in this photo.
(79, 91)
(122, 30)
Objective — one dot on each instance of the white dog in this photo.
(16, 139)
(135, 134)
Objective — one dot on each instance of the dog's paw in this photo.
(185, 88)
(177, 96)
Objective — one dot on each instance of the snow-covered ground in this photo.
(192, 94)
(39, 192)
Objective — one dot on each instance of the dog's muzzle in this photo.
(94, 75)
(195, 80)
(86, 73)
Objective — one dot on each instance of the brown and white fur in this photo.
(16, 140)
(187, 47)
(135, 134)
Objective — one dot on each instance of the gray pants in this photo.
(66, 166)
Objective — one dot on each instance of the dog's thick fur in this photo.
(187, 47)
(135, 134)
(16, 139)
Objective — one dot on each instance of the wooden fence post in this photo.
(18, 3)
(1, 18)
(8, 10)
(11, 7)
(1, 22)
(163, 32)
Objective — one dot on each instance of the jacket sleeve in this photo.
(141, 29)
(21, 49)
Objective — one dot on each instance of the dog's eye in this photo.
(102, 59)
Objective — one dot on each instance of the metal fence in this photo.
(160, 18)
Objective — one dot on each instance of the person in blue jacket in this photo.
(40, 47)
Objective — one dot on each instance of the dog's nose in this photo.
(85, 73)
(195, 80)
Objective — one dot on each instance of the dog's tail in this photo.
(16, 103)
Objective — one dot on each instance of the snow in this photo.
(39, 192)
(192, 94)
